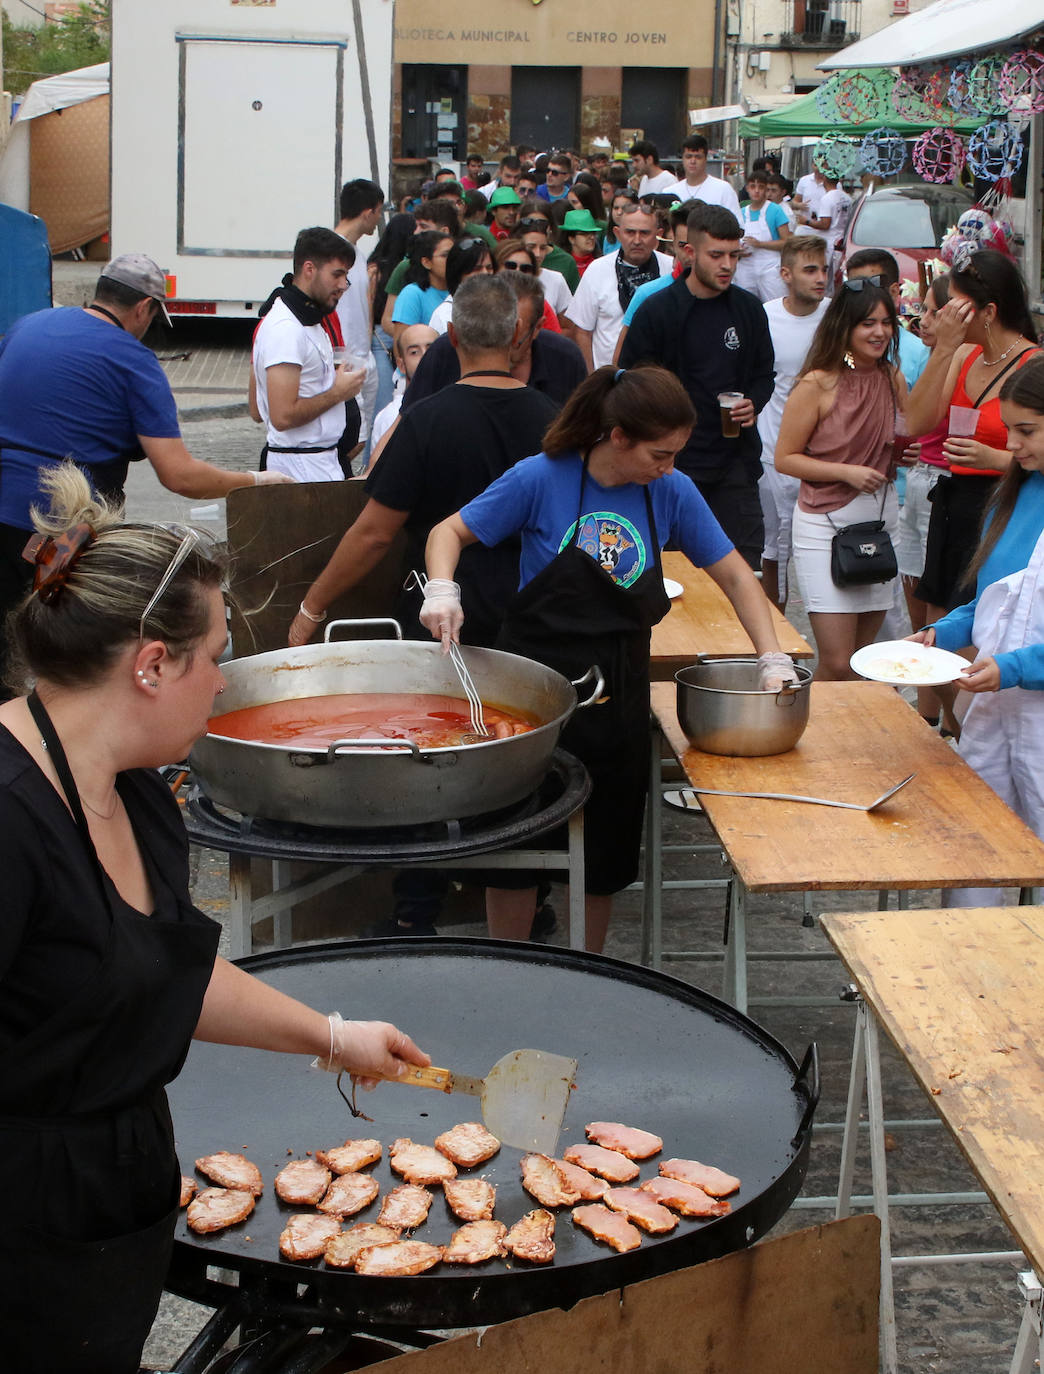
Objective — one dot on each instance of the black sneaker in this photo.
(544, 924)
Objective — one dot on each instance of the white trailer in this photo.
(234, 125)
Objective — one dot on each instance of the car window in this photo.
(907, 222)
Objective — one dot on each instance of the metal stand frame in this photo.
(246, 909)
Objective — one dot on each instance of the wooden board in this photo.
(702, 621)
(946, 828)
(799, 1303)
(959, 992)
(281, 538)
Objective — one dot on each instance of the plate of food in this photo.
(672, 588)
(905, 663)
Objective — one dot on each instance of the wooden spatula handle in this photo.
(431, 1077)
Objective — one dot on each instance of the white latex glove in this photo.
(442, 614)
(369, 1050)
(270, 478)
(776, 670)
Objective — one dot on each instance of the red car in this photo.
(910, 219)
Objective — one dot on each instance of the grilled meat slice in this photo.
(405, 1207)
(542, 1177)
(628, 1140)
(606, 1225)
(476, 1242)
(399, 1258)
(704, 1176)
(420, 1163)
(684, 1198)
(642, 1209)
(302, 1182)
(589, 1186)
(467, 1144)
(608, 1164)
(348, 1194)
(343, 1250)
(471, 1199)
(350, 1157)
(232, 1171)
(188, 1190)
(306, 1235)
(533, 1237)
(215, 1208)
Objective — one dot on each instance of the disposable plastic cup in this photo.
(963, 421)
(727, 399)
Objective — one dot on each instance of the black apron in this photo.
(570, 616)
(87, 1242)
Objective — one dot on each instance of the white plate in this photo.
(903, 663)
(672, 588)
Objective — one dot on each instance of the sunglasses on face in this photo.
(534, 225)
(857, 283)
(525, 267)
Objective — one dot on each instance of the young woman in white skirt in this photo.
(838, 437)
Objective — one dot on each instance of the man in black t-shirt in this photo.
(444, 452)
(715, 338)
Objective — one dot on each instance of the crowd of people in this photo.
(545, 375)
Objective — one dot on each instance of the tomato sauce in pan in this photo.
(432, 722)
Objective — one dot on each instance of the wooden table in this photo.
(945, 829)
(959, 993)
(702, 621)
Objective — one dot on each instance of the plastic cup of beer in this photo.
(726, 400)
(963, 421)
(340, 356)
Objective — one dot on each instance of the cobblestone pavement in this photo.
(961, 1319)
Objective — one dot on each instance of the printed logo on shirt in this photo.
(732, 339)
(612, 542)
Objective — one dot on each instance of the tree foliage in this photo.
(76, 39)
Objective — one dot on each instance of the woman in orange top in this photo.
(983, 334)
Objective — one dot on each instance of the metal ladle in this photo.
(814, 801)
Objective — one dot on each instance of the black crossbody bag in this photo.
(862, 554)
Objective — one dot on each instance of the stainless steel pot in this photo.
(370, 783)
(722, 710)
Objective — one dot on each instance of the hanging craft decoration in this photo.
(835, 155)
(977, 228)
(958, 94)
(921, 93)
(983, 86)
(883, 153)
(1020, 85)
(826, 100)
(938, 155)
(862, 96)
(995, 150)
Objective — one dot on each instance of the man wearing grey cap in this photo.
(80, 384)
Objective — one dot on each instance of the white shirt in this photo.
(556, 290)
(792, 337)
(809, 189)
(596, 305)
(711, 190)
(281, 338)
(835, 206)
(440, 318)
(649, 186)
(385, 418)
(353, 309)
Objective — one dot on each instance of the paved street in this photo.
(961, 1319)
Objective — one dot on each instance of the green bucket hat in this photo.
(504, 195)
(581, 222)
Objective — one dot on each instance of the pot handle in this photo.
(378, 620)
(807, 1080)
(788, 695)
(408, 744)
(593, 674)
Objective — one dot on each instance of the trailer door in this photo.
(240, 102)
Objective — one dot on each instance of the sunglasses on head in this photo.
(857, 283)
(525, 267)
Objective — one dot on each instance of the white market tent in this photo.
(955, 28)
(946, 29)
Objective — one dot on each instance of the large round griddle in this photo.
(653, 1052)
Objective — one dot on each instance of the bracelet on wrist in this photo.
(315, 619)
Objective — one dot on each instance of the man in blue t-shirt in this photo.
(80, 384)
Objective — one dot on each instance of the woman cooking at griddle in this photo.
(107, 971)
(593, 511)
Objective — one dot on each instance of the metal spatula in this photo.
(524, 1095)
(813, 801)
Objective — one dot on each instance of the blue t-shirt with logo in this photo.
(643, 293)
(539, 496)
(75, 386)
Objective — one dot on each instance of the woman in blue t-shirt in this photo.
(593, 511)
(426, 280)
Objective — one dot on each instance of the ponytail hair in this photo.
(644, 402)
(1023, 388)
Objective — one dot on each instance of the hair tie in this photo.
(55, 558)
(618, 374)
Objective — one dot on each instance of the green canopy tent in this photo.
(801, 119)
